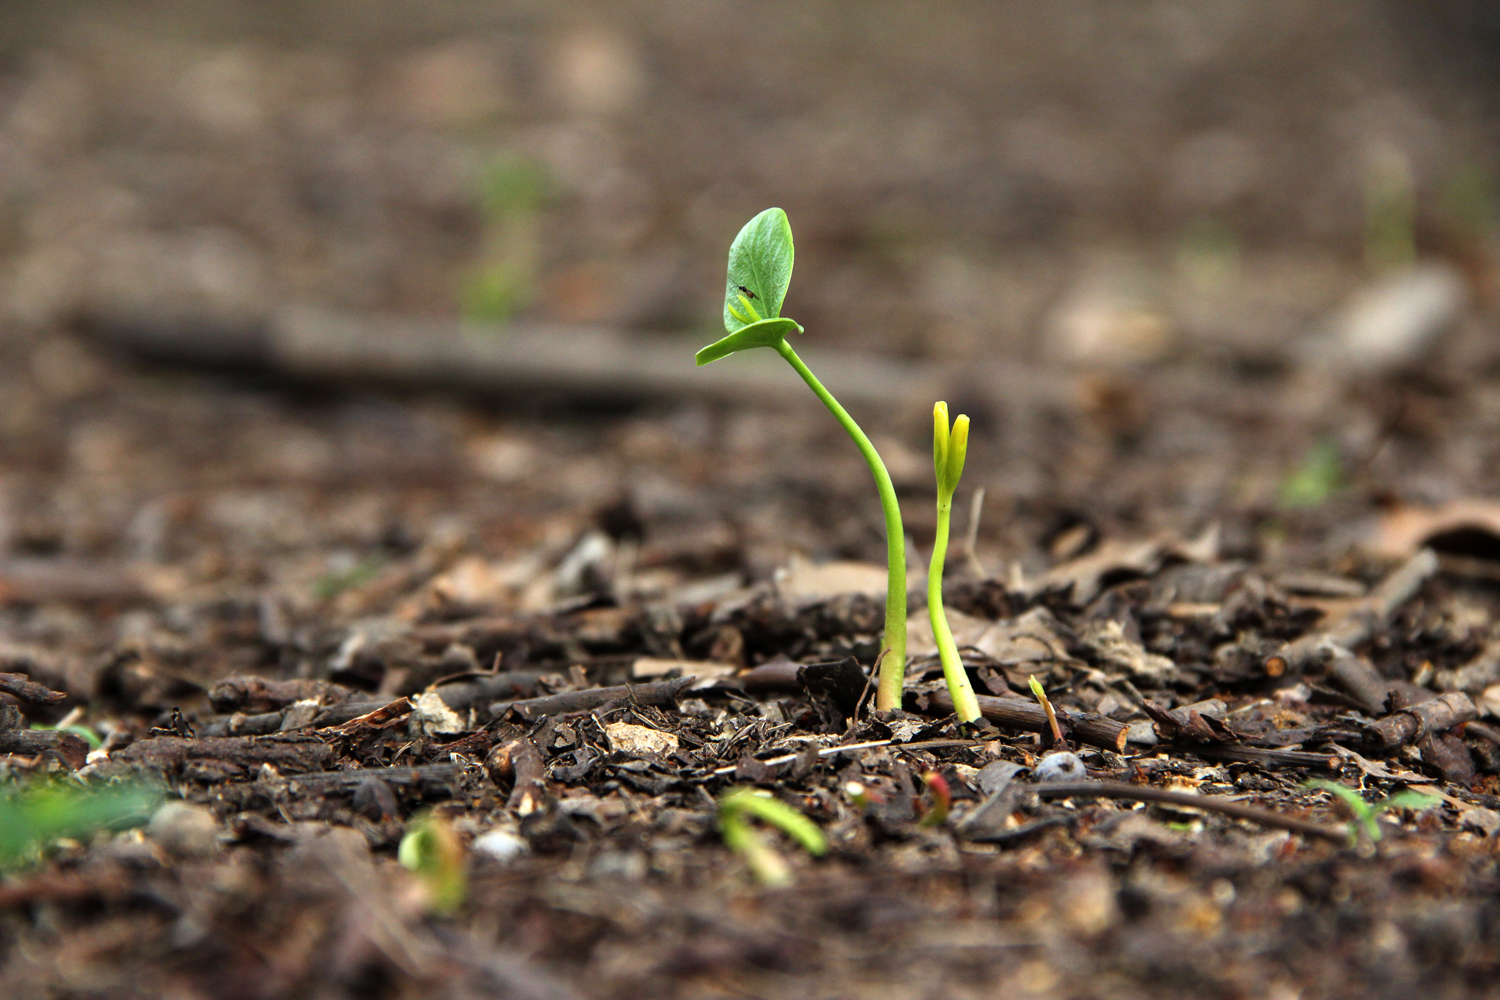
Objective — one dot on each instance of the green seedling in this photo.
(37, 815)
(432, 850)
(1367, 814)
(736, 810)
(949, 448)
(760, 270)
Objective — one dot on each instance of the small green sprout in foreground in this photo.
(432, 850)
(949, 448)
(768, 867)
(35, 816)
(1367, 814)
(942, 799)
(760, 270)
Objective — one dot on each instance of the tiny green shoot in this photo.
(1046, 703)
(1367, 814)
(950, 446)
(760, 271)
(431, 849)
(769, 868)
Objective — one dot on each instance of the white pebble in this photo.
(502, 845)
(1062, 766)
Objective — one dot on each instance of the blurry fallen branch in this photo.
(225, 757)
(298, 716)
(66, 747)
(1017, 713)
(37, 581)
(28, 690)
(1359, 623)
(418, 777)
(303, 714)
(1269, 758)
(1358, 677)
(1208, 803)
(833, 751)
(659, 693)
(590, 362)
(1435, 715)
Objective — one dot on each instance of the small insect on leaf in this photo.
(760, 269)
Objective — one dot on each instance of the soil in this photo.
(554, 632)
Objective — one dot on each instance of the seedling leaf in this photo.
(432, 850)
(32, 817)
(765, 864)
(1366, 814)
(766, 333)
(760, 269)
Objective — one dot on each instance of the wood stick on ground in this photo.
(422, 775)
(26, 689)
(1358, 624)
(68, 747)
(1017, 713)
(1208, 803)
(1268, 758)
(658, 693)
(264, 723)
(225, 756)
(1435, 715)
(852, 747)
(1482, 730)
(1357, 675)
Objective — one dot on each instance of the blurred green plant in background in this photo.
(1390, 211)
(1320, 475)
(513, 192)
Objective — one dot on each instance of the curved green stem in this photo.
(893, 667)
(964, 702)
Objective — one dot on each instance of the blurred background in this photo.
(1220, 267)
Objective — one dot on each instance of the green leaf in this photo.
(32, 817)
(766, 333)
(1351, 798)
(1409, 799)
(760, 269)
(743, 801)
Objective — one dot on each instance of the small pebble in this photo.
(1062, 766)
(501, 845)
(184, 830)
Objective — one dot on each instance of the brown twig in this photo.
(1358, 624)
(1017, 713)
(1480, 729)
(1436, 715)
(27, 689)
(1209, 803)
(1269, 758)
(654, 693)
